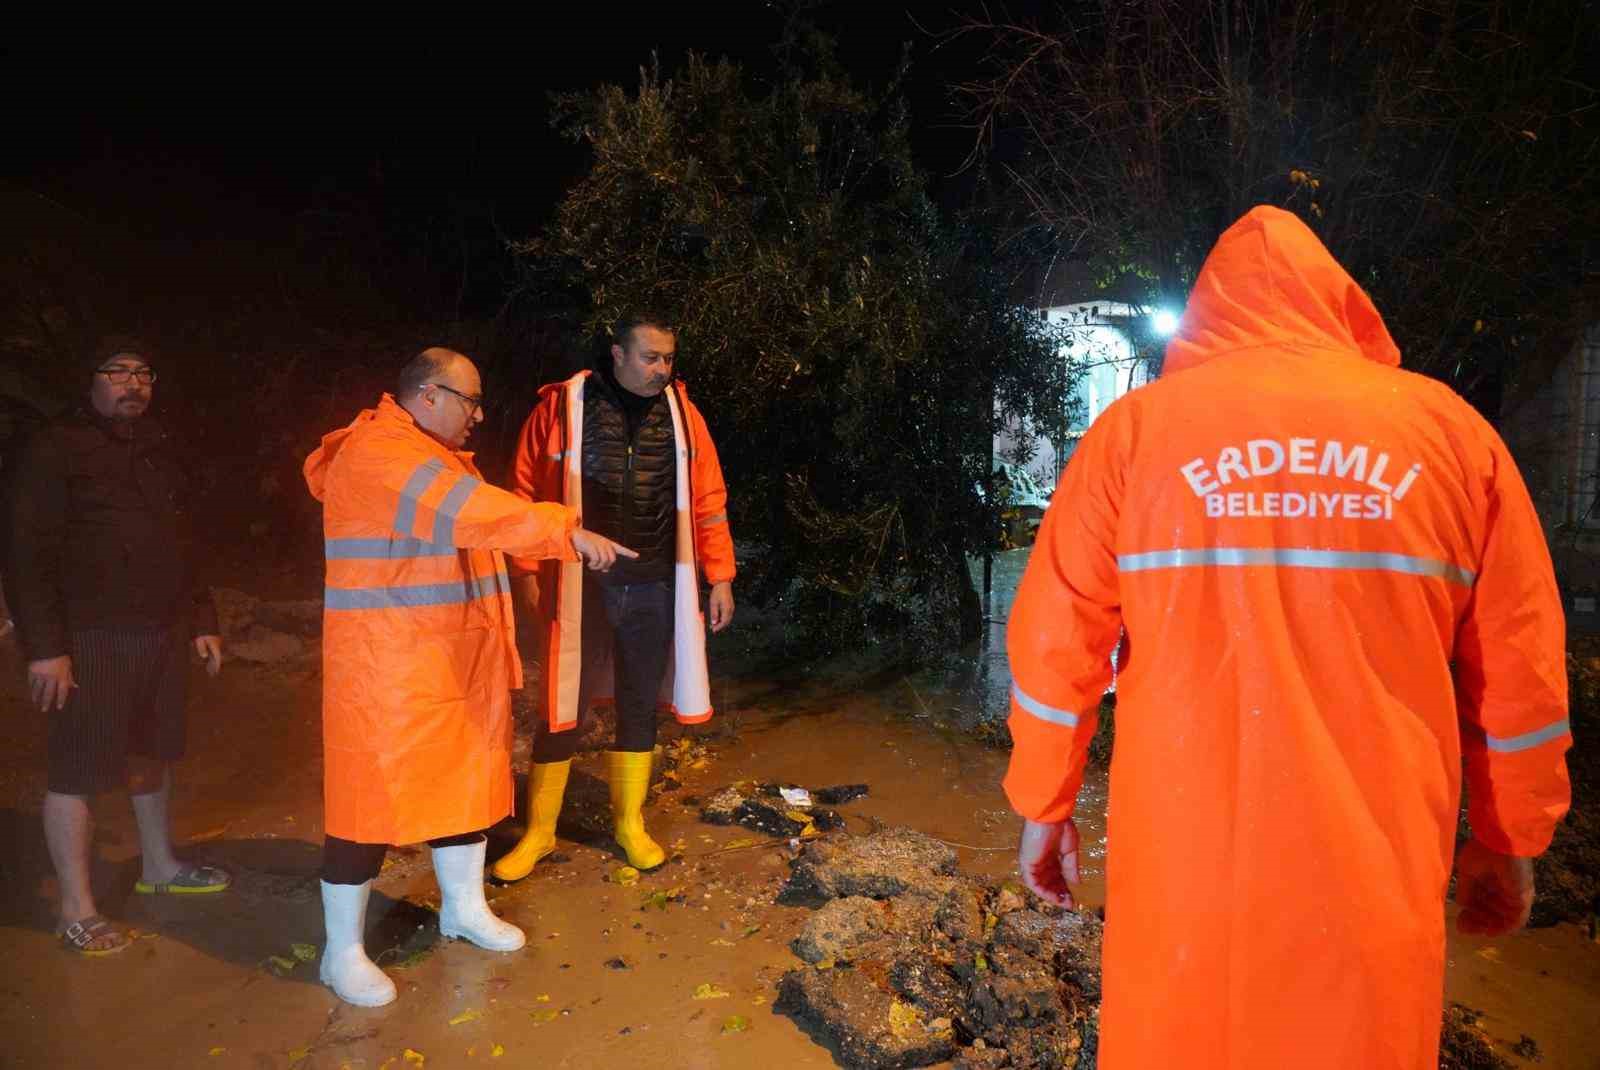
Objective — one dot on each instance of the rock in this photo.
(960, 915)
(759, 816)
(265, 632)
(762, 808)
(1000, 1003)
(825, 819)
(928, 985)
(914, 973)
(1068, 942)
(884, 864)
(264, 646)
(720, 808)
(1462, 1044)
(1010, 899)
(1009, 962)
(236, 611)
(856, 928)
(302, 618)
(1019, 1006)
(911, 915)
(984, 1058)
(842, 929)
(1567, 874)
(1048, 1049)
(861, 1020)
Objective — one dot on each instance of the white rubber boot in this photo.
(345, 966)
(463, 912)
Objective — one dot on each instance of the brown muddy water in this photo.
(611, 972)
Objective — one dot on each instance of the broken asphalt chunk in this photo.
(884, 864)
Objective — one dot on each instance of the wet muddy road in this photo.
(613, 974)
(610, 972)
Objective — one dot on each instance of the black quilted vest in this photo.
(630, 482)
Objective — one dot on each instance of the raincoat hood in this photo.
(321, 458)
(1270, 282)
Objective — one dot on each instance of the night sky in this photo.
(232, 139)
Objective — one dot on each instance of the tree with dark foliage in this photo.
(848, 345)
(1445, 151)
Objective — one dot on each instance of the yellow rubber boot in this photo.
(630, 780)
(547, 783)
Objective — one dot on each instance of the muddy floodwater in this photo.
(676, 970)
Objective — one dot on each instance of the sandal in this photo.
(189, 880)
(79, 935)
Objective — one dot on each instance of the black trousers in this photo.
(349, 862)
(635, 621)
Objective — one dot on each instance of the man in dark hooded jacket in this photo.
(107, 610)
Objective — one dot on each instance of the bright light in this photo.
(1164, 323)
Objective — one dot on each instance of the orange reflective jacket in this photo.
(418, 646)
(548, 469)
(1300, 540)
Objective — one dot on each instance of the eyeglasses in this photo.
(119, 374)
(473, 403)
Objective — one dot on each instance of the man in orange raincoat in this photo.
(419, 654)
(623, 443)
(1335, 590)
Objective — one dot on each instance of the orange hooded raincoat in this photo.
(548, 468)
(418, 645)
(1335, 590)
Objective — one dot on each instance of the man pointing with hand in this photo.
(419, 653)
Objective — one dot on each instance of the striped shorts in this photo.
(132, 685)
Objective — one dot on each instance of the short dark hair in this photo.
(421, 370)
(640, 318)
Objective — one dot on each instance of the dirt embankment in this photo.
(1568, 874)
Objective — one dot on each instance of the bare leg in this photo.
(67, 830)
(150, 789)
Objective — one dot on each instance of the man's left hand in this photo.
(210, 648)
(721, 605)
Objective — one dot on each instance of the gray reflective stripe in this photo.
(415, 488)
(1529, 739)
(444, 524)
(1354, 559)
(720, 518)
(427, 594)
(1042, 711)
(383, 549)
(557, 455)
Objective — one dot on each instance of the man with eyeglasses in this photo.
(107, 609)
(419, 654)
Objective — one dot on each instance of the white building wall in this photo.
(1097, 342)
